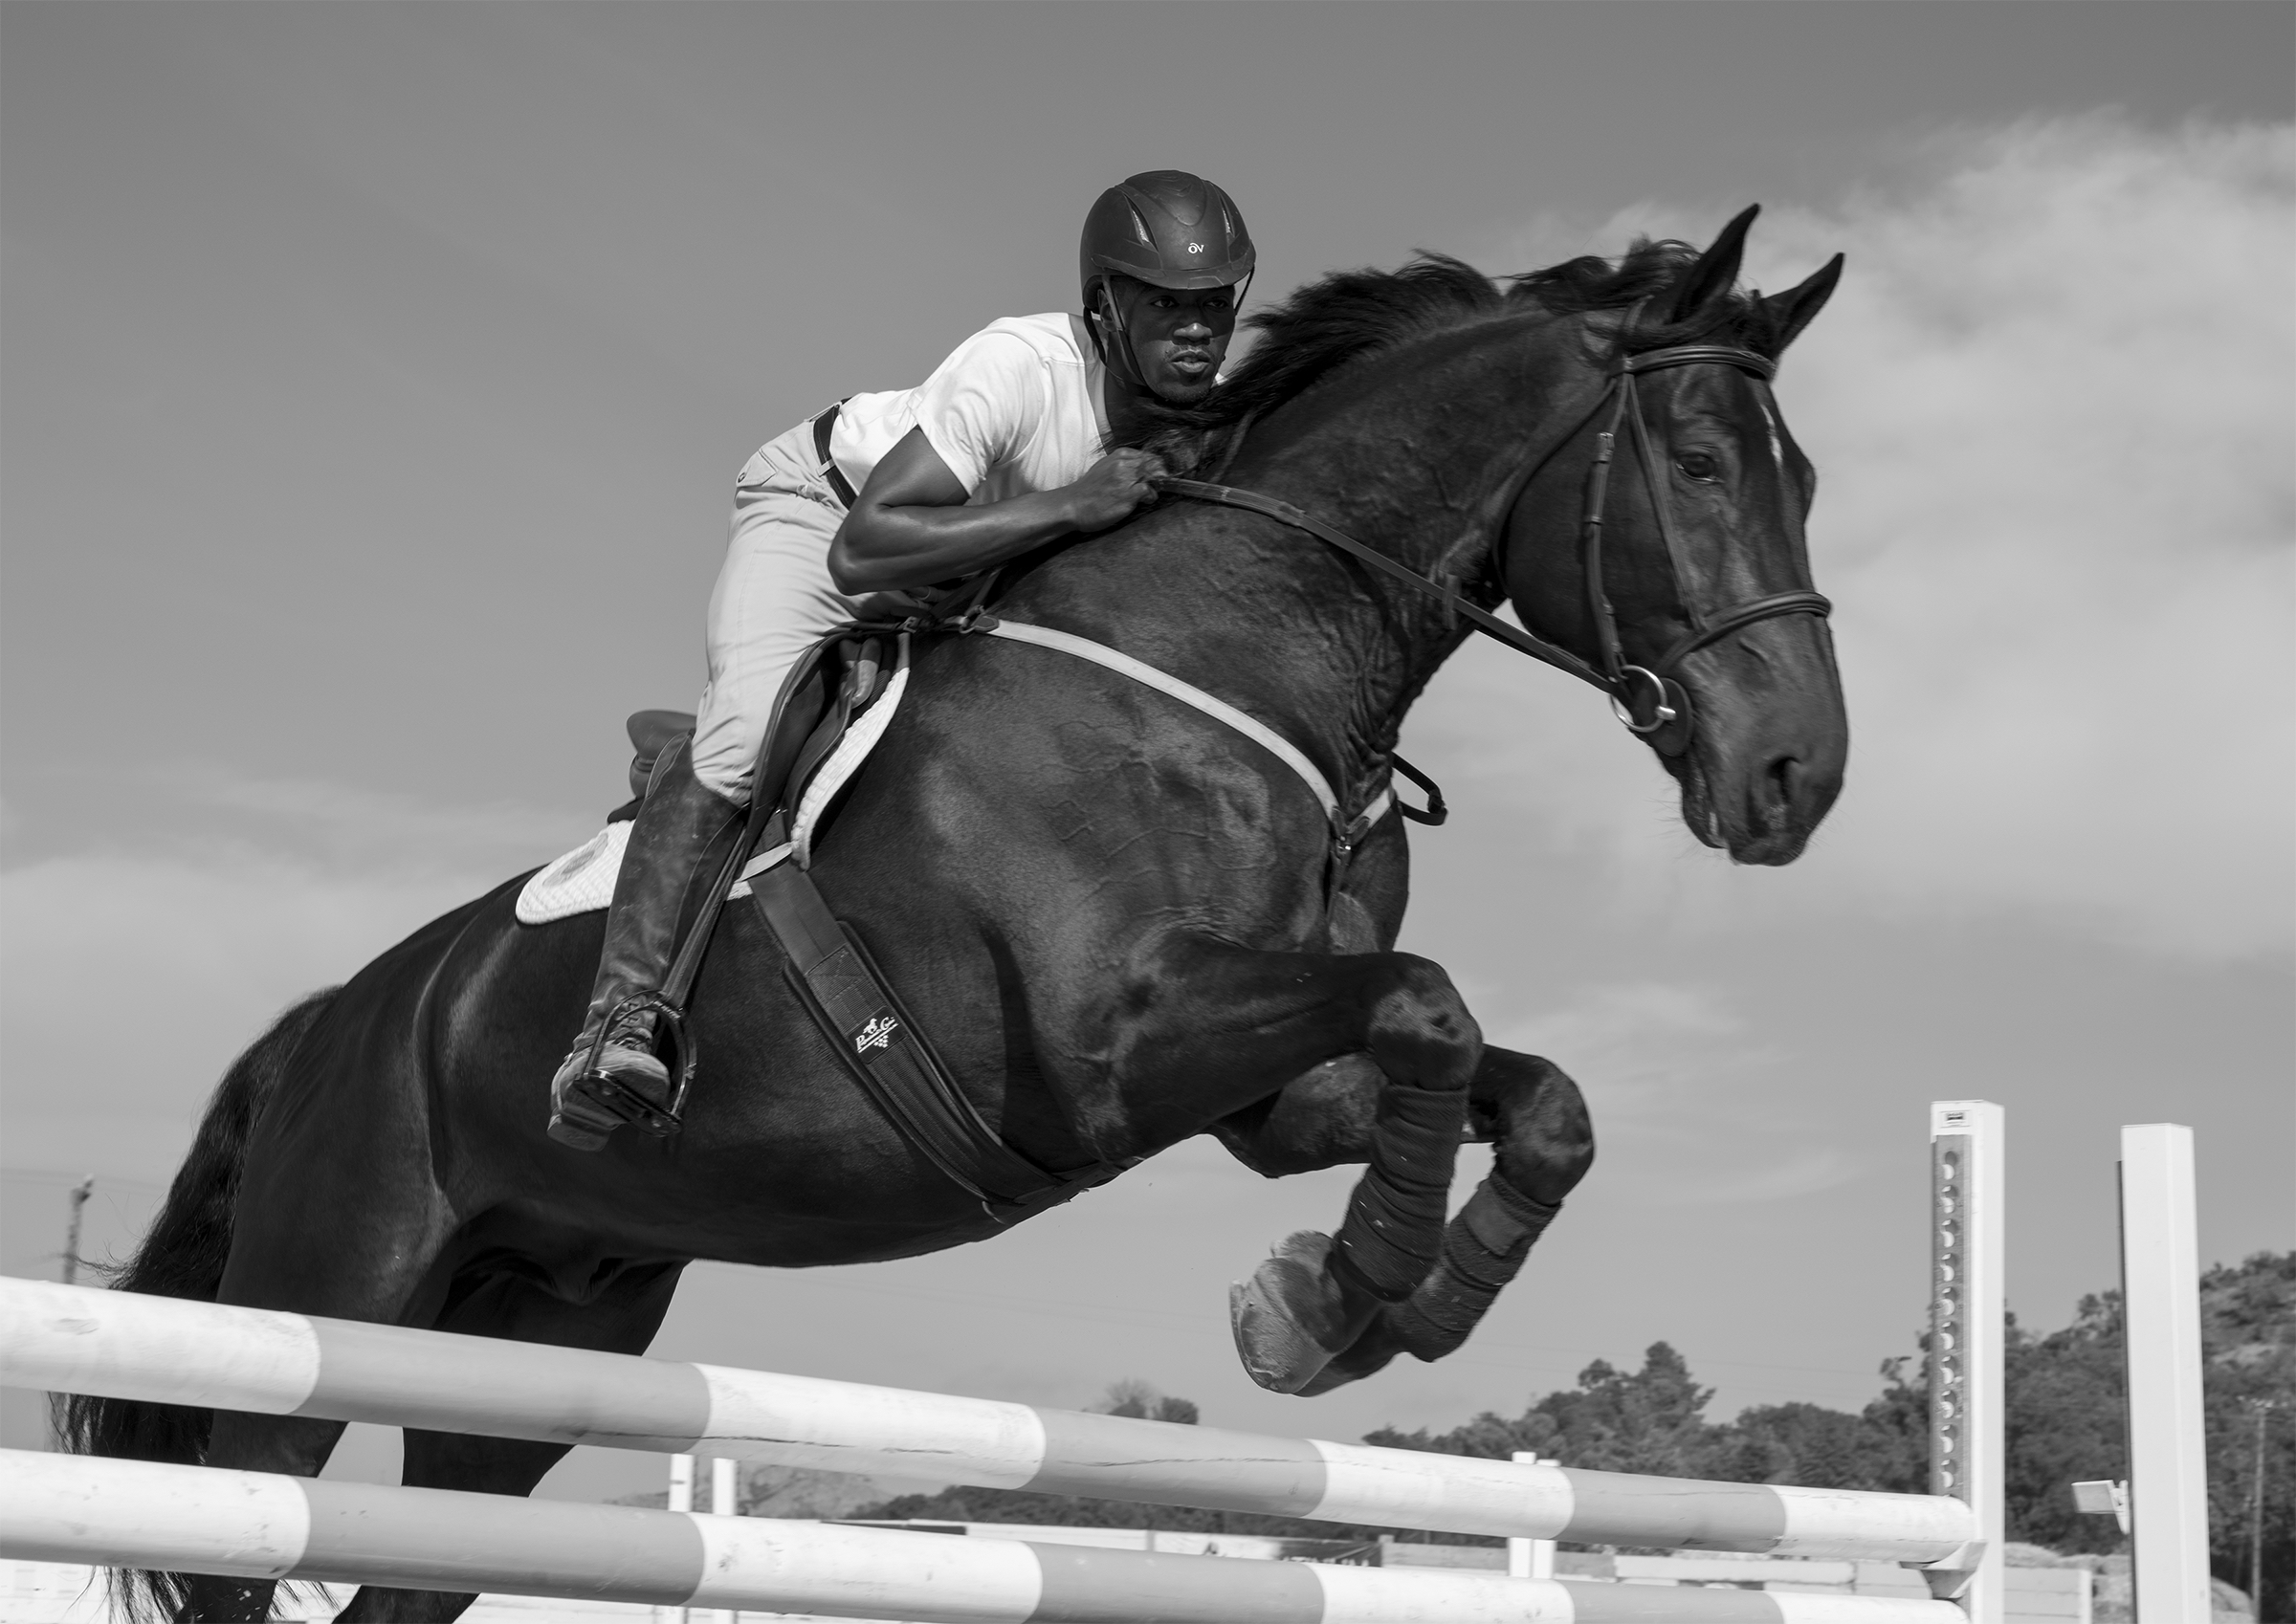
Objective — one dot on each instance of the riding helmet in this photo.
(1167, 228)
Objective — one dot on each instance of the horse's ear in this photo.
(1793, 310)
(1716, 269)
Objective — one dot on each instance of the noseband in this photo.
(1669, 719)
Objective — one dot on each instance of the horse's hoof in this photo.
(1289, 1318)
(1367, 1357)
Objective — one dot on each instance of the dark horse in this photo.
(1109, 910)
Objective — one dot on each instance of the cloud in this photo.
(1674, 1070)
(1654, 1046)
(131, 974)
(2052, 406)
(205, 814)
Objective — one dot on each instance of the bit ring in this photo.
(1662, 712)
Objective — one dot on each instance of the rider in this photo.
(1000, 449)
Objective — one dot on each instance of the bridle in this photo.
(1669, 717)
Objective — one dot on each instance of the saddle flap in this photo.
(853, 672)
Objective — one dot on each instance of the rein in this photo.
(1669, 712)
(1671, 720)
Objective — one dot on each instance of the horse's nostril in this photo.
(1783, 777)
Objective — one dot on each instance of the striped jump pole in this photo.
(252, 1525)
(114, 1344)
(1968, 1325)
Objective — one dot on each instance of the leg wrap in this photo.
(1481, 1249)
(1394, 1221)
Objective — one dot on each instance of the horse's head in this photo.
(1678, 503)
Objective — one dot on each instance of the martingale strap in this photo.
(1346, 832)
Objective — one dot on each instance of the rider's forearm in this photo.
(882, 548)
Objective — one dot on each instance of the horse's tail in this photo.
(183, 1254)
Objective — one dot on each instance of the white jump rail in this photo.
(124, 1513)
(252, 1525)
(114, 1344)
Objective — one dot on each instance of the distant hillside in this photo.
(2065, 1423)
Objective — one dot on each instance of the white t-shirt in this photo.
(1015, 408)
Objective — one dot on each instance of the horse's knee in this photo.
(1420, 1029)
(1547, 1142)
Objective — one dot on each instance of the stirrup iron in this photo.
(609, 1093)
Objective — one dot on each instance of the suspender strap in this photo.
(838, 482)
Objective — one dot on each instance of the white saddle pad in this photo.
(577, 883)
(583, 880)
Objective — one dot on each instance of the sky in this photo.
(372, 381)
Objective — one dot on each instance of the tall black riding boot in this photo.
(613, 1076)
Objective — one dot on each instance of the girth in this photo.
(885, 1051)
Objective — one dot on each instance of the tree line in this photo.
(2067, 1422)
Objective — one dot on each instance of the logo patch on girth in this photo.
(877, 1034)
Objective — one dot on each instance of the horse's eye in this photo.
(1698, 465)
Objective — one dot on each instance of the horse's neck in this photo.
(1418, 457)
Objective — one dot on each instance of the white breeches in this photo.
(773, 600)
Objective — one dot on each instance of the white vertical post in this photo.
(2160, 1293)
(1530, 1559)
(1968, 1310)
(724, 1491)
(681, 1498)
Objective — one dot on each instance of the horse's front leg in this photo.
(1546, 1143)
(1226, 1019)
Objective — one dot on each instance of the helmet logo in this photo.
(1195, 248)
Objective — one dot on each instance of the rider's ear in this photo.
(1716, 269)
(1793, 310)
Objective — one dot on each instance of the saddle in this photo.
(826, 963)
(843, 676)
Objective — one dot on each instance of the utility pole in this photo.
(81, 1193)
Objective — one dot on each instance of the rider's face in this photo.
(1178, 334)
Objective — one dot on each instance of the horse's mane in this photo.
(1350, 316)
